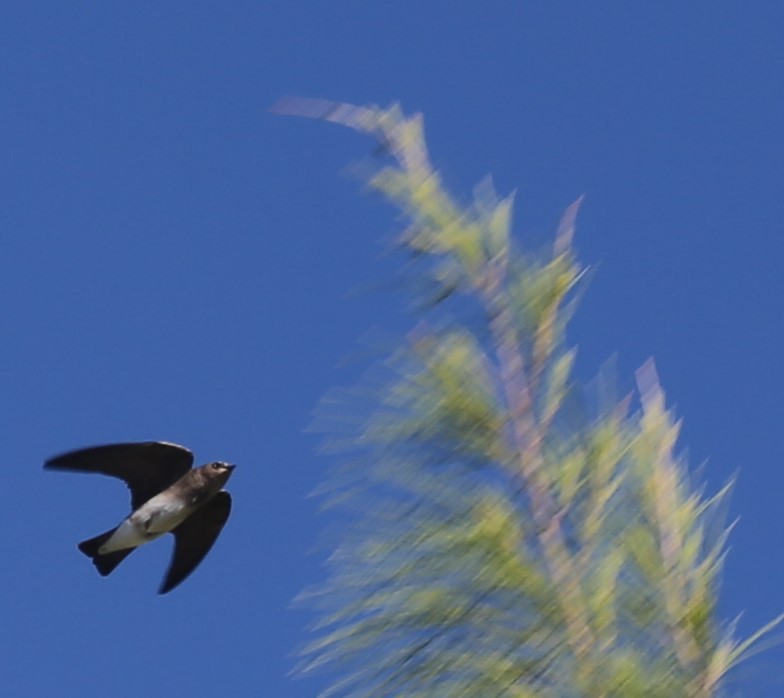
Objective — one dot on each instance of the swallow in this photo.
(168, 495)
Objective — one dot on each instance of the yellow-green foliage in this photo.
(495, 544)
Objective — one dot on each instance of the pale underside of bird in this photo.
(168, 495)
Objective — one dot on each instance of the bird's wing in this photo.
(147, 468)
(194, 537)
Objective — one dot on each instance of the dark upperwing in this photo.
(194, 537)
(147, 468)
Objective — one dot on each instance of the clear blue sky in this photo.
(177, 264)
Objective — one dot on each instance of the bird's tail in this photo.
(105, 564)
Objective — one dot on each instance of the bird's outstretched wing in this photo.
(148, 467)
(194, 537)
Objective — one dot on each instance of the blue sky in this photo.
(178, 264)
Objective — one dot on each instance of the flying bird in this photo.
(168, 495)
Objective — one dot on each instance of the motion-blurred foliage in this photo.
(500, 541)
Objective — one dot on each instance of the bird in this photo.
(168, 495)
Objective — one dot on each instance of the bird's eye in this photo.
(216, 466)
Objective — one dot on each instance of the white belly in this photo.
(156, 517)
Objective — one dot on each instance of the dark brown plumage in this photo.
(167, 496)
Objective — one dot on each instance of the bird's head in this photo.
(217, 474)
